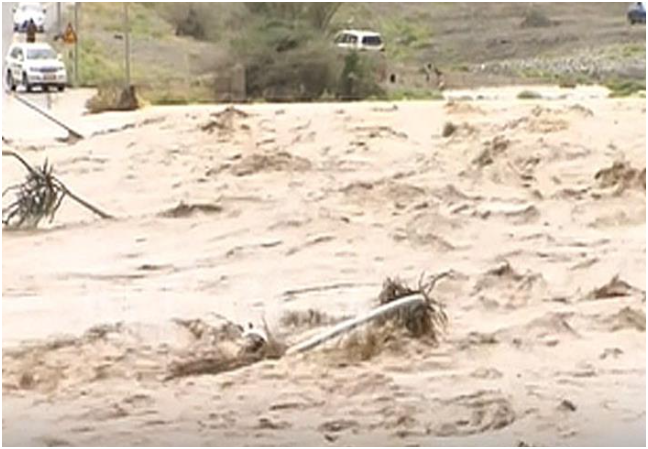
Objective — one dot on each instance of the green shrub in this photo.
(529, 95)
(625, 88)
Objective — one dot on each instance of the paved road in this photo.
(18, 121)
(7, 36)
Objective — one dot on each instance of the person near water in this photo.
(31, 31)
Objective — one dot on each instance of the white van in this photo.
(26, 11)
(359, 40)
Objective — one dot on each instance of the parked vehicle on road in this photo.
(637, 13)
(34, 65)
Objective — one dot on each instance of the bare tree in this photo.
(318, 15)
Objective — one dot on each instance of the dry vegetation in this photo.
(288, 55)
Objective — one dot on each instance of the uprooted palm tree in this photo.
(38, 197)
(413, 309)
(422, 319)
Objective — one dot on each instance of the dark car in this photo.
(637, 13)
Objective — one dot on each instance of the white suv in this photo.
(359, 40)
(35, 65)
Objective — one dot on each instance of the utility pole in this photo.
(76, 44)
(127, 46)
(59, 25)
